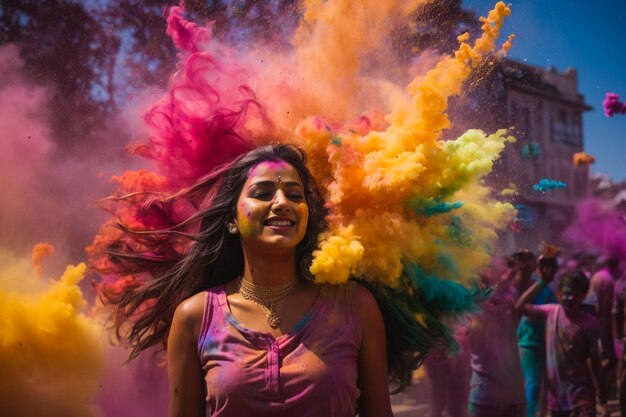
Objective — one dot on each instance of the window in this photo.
(566, 131)
(576, 138)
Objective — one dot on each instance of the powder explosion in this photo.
(375, 161)
(52, 356)
(403, 201)
(612, 105)
(599, 226)
(546, 184)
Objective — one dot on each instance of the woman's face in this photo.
(272, 209)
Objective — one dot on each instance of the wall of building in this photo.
(544, 107)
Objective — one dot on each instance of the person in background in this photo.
(585, 262)
(619, 306)
(449, 375)
(600, 296)
(497, 384)
(530, 331)
(572, 339)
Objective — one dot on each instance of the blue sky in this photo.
(589, 36)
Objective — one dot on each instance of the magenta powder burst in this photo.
(600, 226)
(203, 121)
(612, 105)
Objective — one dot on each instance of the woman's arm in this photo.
(372, 364)
(183, 365)
(527, 297)
(548, 268)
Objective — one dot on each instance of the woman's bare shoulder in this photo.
(362, 298)
(191, 310)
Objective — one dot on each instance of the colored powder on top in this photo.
(612, 105)
(545, 184)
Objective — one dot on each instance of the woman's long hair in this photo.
(166, 267)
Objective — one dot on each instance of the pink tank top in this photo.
(310, 371)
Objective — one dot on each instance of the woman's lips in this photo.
(279, 224)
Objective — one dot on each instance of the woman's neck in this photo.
(270, 271)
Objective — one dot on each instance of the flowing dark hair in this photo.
(165, 265)
(168, 266)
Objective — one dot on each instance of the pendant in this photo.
(273, 320)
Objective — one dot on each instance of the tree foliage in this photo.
(66, 49)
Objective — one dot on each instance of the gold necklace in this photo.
(267, 297)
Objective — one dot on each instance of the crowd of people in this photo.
(550, 339)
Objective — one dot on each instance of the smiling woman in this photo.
(247, 330)
(272, 206)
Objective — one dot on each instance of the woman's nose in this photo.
(280, 201)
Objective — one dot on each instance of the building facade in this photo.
(544, 111)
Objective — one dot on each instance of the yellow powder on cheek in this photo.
(243, 221)
(303, 218)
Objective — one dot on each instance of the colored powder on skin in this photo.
(598, 225)
(51, 355)
(273, 165)
(545, 184)
(243, 222)
(612, 105)
(303, 216)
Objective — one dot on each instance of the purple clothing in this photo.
(570, 340)
(449, 377)
(601, 292)
(619, 295)
(619, 308)
(497, 378)
(310, 371)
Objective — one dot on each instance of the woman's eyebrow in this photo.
(272, 183)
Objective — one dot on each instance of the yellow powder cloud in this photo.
(371, 178)
(51, 357)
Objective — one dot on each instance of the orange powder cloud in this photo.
(40, 251)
